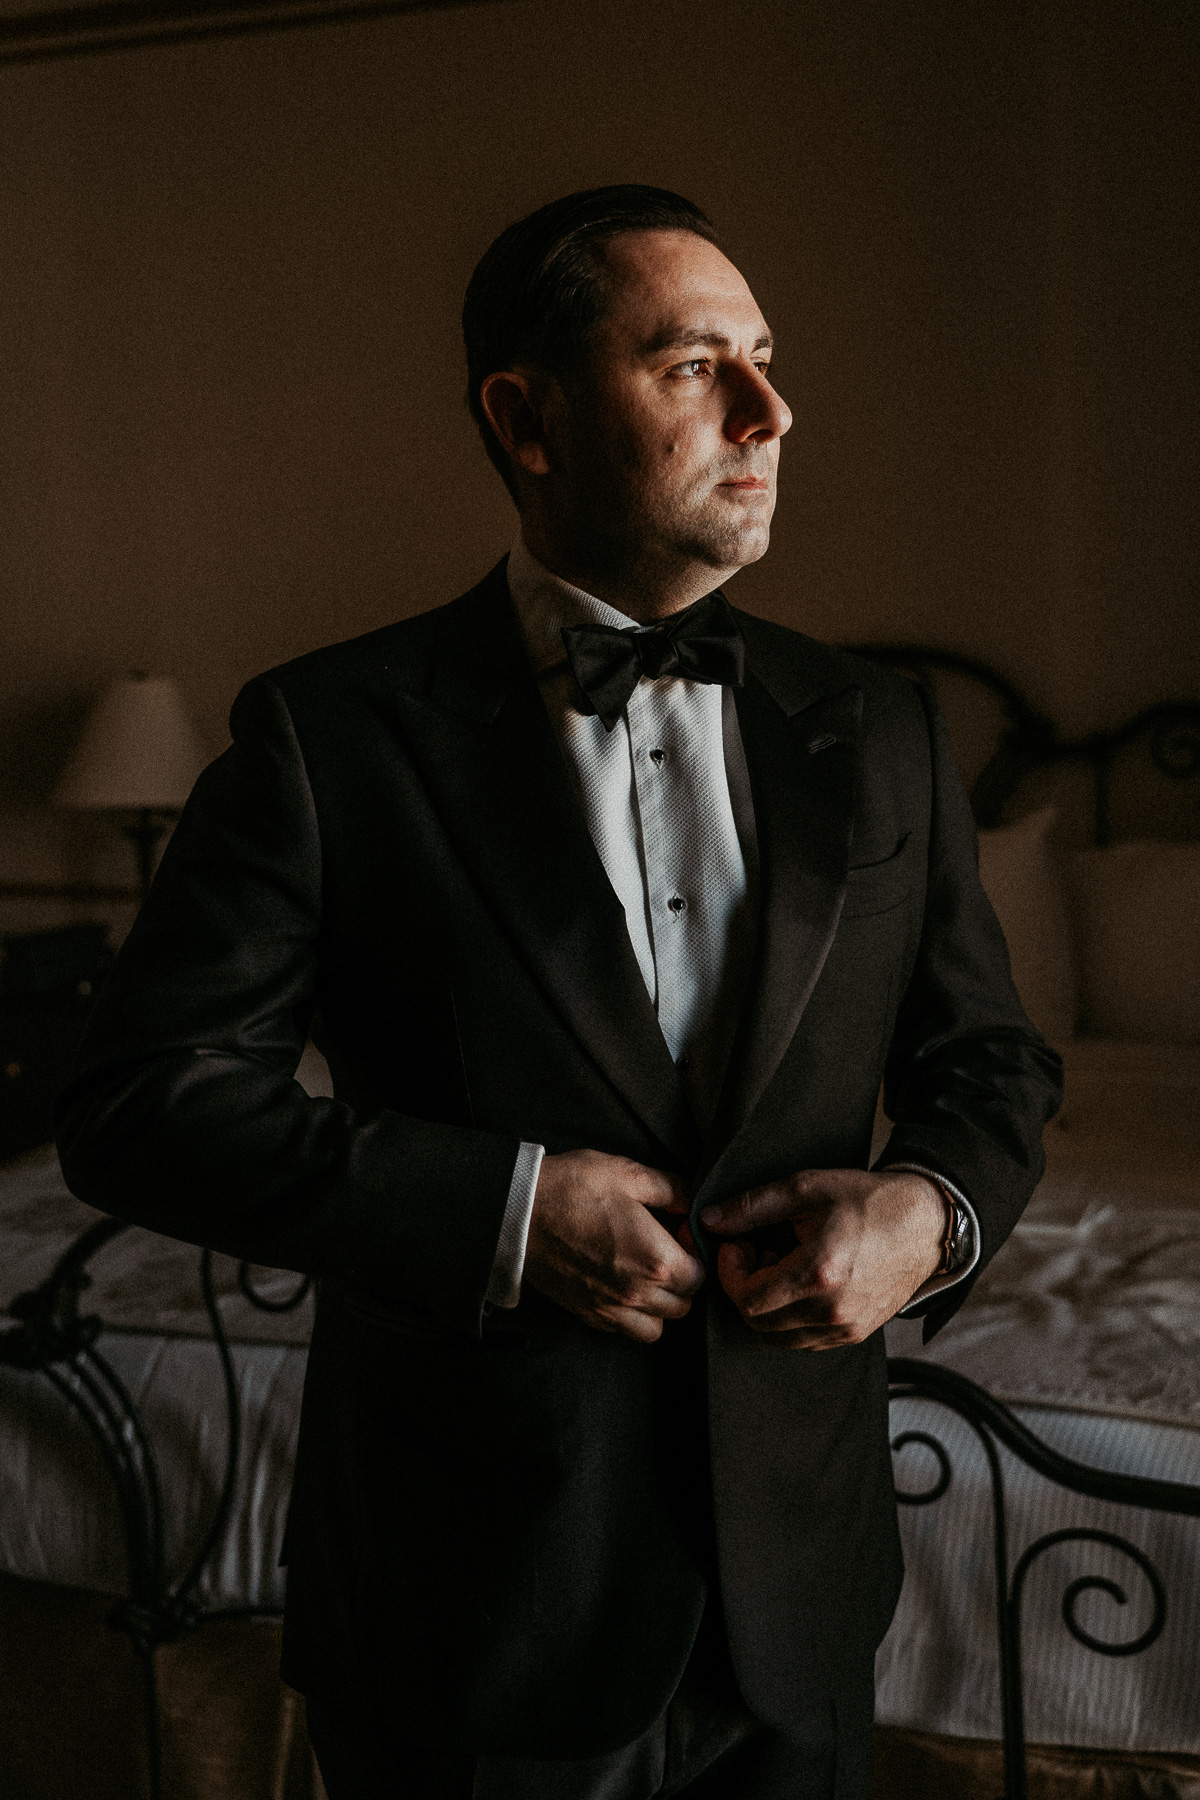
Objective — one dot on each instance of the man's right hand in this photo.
(595, 1248)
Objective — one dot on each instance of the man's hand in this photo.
(864, 1245)
(595, 1249)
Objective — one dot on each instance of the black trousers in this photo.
(763, 1767)
(706, 1746)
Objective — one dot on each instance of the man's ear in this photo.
(512, 400)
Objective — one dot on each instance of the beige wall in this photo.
(230, 379)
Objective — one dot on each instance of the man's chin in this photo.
(733, 549)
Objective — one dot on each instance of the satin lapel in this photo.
(803, 770)
(486, 750)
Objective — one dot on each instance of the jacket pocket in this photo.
(875, 887)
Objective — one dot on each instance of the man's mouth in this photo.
(747, 483)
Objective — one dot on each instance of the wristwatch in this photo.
(957, 1245)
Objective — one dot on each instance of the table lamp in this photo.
(138, 755)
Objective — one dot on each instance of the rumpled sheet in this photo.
(59, 1519)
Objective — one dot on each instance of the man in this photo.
(615, 907)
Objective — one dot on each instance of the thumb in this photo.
(662, 1192)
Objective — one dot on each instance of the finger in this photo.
(764, 1289)
(629, 1321)
(664, 1263)
(799, 1315)
(746, 1212)
(688, 1277)
(820, 1318)
(834, 1337)
(662, 1302)
(769, 1205)
(659, 1191)
(735, 1265)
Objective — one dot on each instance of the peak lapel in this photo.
(493, 767)
(803, 767)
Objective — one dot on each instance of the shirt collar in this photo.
(545, 603)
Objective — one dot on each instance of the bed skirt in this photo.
(73, 1719)
(917, 1765)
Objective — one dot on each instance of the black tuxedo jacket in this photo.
(493, 1530)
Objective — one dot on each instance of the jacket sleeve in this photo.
(969, 1083)
(182, 1113)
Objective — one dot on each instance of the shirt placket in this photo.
(661, 807)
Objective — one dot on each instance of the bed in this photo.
(149, 1399)
(1085, 1328)
(149, 1404)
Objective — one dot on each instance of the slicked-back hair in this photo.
(539, 292)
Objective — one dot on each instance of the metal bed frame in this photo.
(49, 1334)
(53, 1337)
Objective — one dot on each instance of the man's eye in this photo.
(692, 369)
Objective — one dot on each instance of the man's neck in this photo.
(637, 586)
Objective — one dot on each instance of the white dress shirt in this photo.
(655, 794)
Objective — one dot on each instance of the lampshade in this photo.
(138, 750)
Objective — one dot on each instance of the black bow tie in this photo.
(702, 644)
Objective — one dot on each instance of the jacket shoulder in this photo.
(397, 655)
(799, 666)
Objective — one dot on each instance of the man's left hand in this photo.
(864, 1245)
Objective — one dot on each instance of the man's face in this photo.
(670, 434)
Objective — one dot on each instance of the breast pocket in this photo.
(878, 886)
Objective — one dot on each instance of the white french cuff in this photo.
(504, 1284)
(937, 1283)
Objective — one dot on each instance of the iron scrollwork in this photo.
(1175, 741)
(289, 1303)
(995, 1426)
(52, 1337)
(945, 1473)
(1030, 741)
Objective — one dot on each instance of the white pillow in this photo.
(1136, 912)
(1021, 880)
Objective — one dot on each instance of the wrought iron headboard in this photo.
(1030, 741)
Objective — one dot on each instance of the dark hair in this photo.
(539, 292)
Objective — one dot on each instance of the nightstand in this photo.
(48, 984)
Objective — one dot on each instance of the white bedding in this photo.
(59, 1519)
(937, 1668)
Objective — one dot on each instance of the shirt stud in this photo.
(677, 903)
(657, 757)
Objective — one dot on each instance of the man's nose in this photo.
(756, 412)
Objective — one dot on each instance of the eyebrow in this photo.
(673, 339)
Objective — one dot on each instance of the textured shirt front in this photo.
(655, 796)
